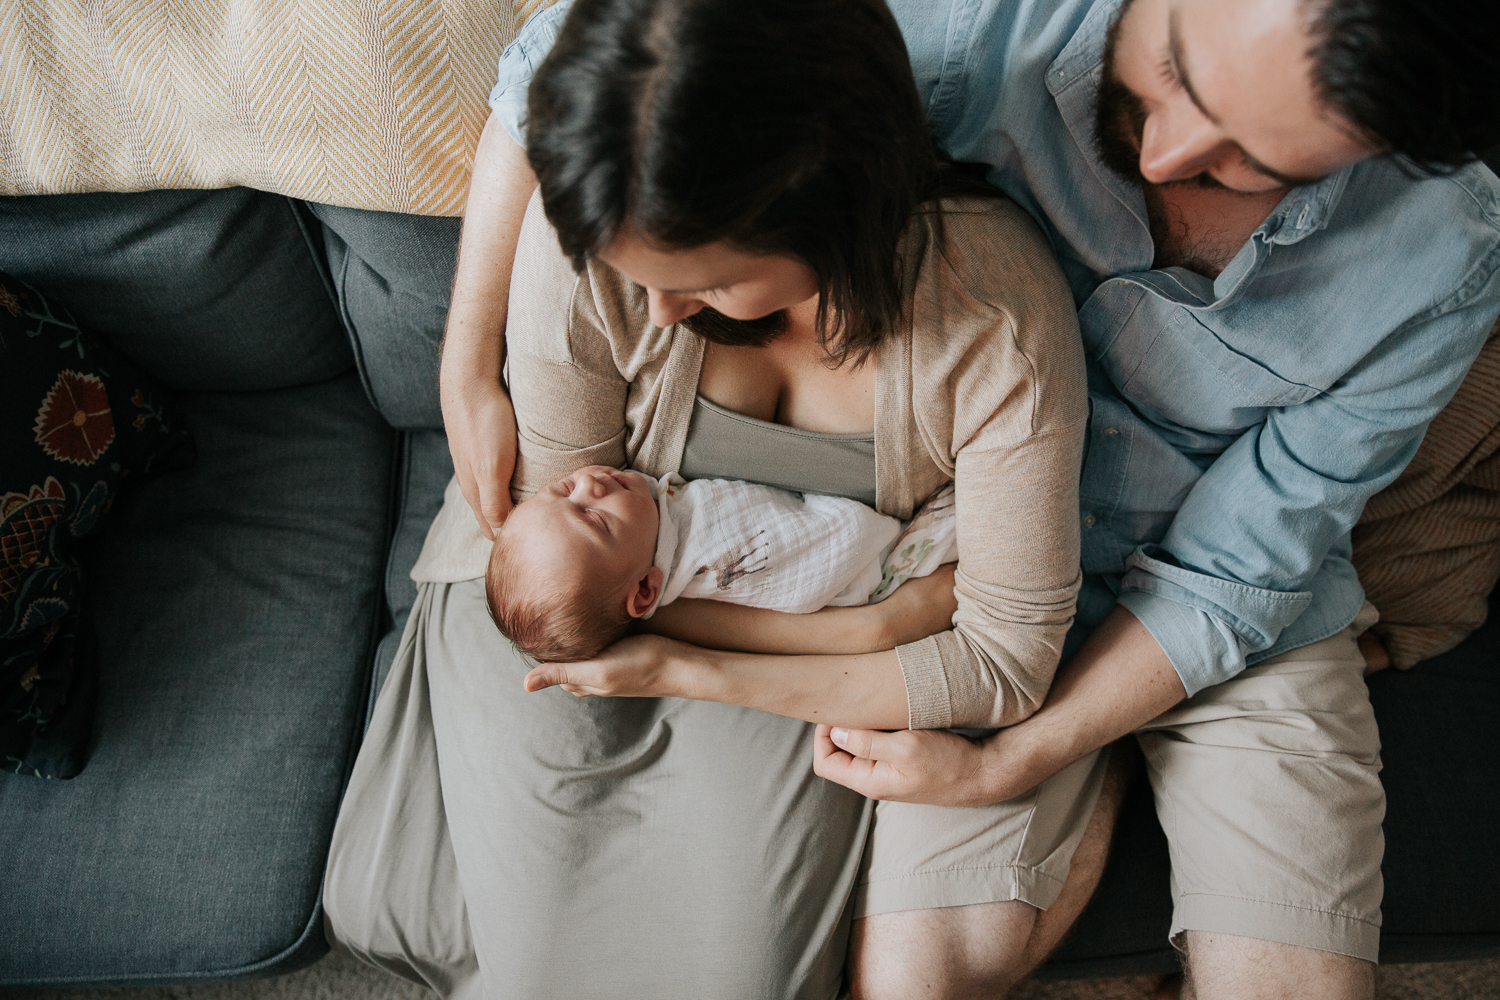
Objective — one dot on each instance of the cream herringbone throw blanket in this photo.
(363, 103)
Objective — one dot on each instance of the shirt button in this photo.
(1088, 520)
(1111, 431)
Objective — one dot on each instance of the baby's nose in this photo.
(591, 483)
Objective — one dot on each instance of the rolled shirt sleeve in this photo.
(518, 65)
(1241, 560)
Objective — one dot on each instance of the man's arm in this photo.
(1118, 681)
(476, 409)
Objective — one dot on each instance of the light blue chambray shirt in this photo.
(1239, 424)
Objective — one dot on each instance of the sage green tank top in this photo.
(722, 444)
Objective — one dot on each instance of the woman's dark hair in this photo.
(1419, 78)
(787, 127)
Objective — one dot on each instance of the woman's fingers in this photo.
(482, 437)
(631, 668)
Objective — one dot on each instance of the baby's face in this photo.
(597, 527)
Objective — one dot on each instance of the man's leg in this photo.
(1042, 852)
(1228, 967)
(1267, 787)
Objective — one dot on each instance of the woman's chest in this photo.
(790, 383)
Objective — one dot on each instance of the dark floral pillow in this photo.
(77, 422)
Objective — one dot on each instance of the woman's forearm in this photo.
(734, 627)
(501, 186)
(477, 410)
(919, 608)
(865, 690)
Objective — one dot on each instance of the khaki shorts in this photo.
(1267, 787)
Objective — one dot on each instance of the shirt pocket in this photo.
(1162, 357)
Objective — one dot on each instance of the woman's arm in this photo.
(852, 677)
(918, 608)
(476, 409)
(861, 689)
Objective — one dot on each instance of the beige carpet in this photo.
(339, 977)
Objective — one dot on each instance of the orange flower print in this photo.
(9, 301)
(74, 423)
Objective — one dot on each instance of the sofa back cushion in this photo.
(363, 105)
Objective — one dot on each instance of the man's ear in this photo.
(643, 595)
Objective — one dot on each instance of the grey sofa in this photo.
(248, 609)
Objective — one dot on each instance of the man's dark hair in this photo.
(786, 127)
(1419, 78)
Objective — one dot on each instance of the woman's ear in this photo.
(642, 597)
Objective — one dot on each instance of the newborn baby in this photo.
(573, 566)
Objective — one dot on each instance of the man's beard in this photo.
(1120, 122)
(715, 327)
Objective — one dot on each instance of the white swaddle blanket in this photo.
(765, 547)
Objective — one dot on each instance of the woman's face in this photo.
(740, 285)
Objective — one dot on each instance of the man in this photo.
(1274, 310)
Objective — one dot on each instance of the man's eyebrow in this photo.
(1289, 180)
(1174, 49)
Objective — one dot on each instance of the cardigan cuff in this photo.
(927, 702)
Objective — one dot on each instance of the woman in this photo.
(742, 271)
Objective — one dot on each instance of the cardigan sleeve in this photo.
(568, 392)
(999, 398)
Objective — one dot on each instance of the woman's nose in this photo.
(1178, 142)
(668, 308)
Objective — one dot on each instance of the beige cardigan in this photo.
(983, 384)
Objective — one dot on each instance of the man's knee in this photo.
(973, 951)
(1232, 967)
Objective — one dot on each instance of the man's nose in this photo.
(1178, 142)
(668, 308)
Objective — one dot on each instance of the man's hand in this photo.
(1117, 682)
(482, 437)
(929, 766)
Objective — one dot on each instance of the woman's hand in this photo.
(920, 607)
(929, 766)
(638, 666)
(482, 437)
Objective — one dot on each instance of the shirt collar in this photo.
(1304, 210)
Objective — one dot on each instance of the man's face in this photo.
(1218, 93)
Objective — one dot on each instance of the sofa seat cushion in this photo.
(237, 607)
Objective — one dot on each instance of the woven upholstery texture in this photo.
(372, 104)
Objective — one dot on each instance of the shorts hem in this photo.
(1299, 926)
(957, 887)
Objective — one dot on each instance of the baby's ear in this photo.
(642, 596)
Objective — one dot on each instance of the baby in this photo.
(575, 565)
